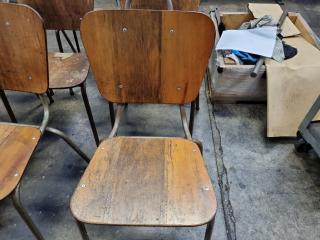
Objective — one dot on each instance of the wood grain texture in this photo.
(184, 5)
(145, 182)
(144, 56)
(23, 53)
(61, 14)
(67, 70)
(17, 144)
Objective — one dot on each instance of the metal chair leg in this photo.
(209, 230)
(7, 106)
(112, 115)
(82, 230)
(198, 102)
(200, 145)
(69, 142)
(191, 120)
(76, 40)
(111, 110)
(23, 213)
(68, 40)
(50, 97)
(59, 41)
(71, 91)
(88, 108)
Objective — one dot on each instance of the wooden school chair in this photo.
(184, 5)
(23, 68)
(66, 70)
(147, 57)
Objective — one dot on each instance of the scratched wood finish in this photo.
(61, 14)
(144, 56)
(184, 5)
(67, 72)
(145, 182)
(17, 144)
(23, 53)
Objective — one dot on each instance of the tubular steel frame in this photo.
(7, 106)
(113, 133)
(15, 195)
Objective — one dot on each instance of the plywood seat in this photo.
(67, 70)
(17, 144)
(137, 181)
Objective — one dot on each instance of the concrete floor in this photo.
(265, 190)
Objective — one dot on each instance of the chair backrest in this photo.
(184, 5)
(146, 56)
(61, 14)
(23, 52)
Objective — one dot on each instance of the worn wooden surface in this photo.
(17, 144)
(184, 5)
(61, 14)
(145, 182)
(67, 69)
(142, 56)
(23, 52)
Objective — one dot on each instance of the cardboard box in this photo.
(234, 83)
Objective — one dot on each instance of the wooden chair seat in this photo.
(67, 70)
(17, 144)
(139, 181)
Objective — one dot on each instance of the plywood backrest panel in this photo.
(61, 14)
(184, 5)
(145, 56)
(23, 52)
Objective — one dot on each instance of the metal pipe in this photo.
(69, 41)
(198, 102)
(69, 142)
(120, 109)
(76, 40)
(59, 41)
(82, 230)
(15, 196)
(262, 59)
(59, 134)
(46, 114)
(7, 106)
(257, 67)
(50, 97)
(127, 4)
(89, 113)
(209, 230)
(192, 113)
(184, 121)
(169, 4)
(111, 111)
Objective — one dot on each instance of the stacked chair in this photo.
(23, 69)
(181, 5)
(137, 57)
(66, 71)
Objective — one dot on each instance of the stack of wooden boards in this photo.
(290, 87)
